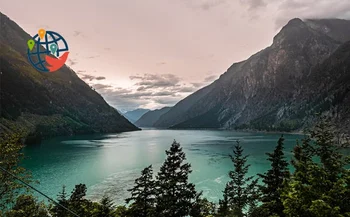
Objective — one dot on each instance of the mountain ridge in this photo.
(135, 114)
(261, 87)
(48, 104)
(149, 118)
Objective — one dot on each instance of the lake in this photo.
(108, 164)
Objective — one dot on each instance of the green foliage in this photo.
(273, 181)
(224, 209)
(175, 195)
(170, 194)
(240, 190)
(81, 206)
(202, 207)
(78, 193)
(105, 208)
(143, 195)
(27, 206)
(288, 125)
(77, 202)
(265, 124)
(10, 157)
(121, 211)
(318, 188)
(62, 200)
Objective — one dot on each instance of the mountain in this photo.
(47, 104)
(277, 88)
(134, 115)
(327, 90)
(149, 118)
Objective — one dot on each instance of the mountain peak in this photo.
(136, 114)
(279, 88)
(149, 118)
(295, 22)
(291, 32)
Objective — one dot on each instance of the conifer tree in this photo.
(240, 189)
(254, 209)
(106, 207)
(175, 195)
(143, 195)
(273, 181)
(302, 161)
(326, 149)
(78, 193)
(202, 207)
(224, 209)
(121, 211)
(318, 189)
(62, 200)
(77, 202)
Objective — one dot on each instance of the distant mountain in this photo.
(149, 118)
(47, 104)
(134, 115)
(281, 87)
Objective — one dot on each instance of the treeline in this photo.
(319, 186)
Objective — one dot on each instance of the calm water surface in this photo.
(108, 164)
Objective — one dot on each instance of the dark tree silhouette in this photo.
(175, 195)
(273, 181)
(143, 195)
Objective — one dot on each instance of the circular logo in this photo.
(47, 51)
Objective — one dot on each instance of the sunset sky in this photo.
(153, 53)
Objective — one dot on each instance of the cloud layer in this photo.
(148, 91)
(305, 9)
(87, 77)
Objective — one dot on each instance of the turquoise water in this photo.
(108, 164)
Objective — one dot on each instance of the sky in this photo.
(153, 53)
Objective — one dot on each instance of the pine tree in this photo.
(240, 189)
(62, 200)
(318, 188)
(121, 211)
(175, 195)
(254, 209)
(143, 195)
(106, 207)
(302, 160)
(273, 181)
(224, 209)
(78, 193)
(77, 202)
(202, 207)
(324, 135)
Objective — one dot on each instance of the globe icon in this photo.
(41, 49)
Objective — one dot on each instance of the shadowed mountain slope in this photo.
(47, 104)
